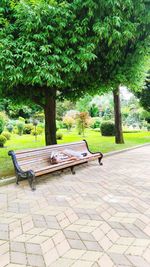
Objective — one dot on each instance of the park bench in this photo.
(36, 162)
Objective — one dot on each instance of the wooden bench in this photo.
(36, 162)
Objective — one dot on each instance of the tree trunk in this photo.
(50, 117)
(118, 118)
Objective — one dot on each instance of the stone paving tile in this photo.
(99, 217)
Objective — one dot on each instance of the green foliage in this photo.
(94, 110)
(2, 121)
(125, 38)
(95, 123)
(83, 104)
(144, 94)
(2, 140)
(59, 135)
(2, 124)
(27, 128)
(37, 131)
(62, 107)
(107, 128)
(148, 126)
(145, 115)
(68, 122)
(20, 127)
(9, 127)
(51, 46)
(82, 121)
(7, 135)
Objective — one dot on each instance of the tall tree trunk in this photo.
(50, 116)
(118, 118)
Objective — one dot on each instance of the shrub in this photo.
(107, 128)
(9, 128)
(95, 123)
(82, 122)
(2, 140)
(34, 132)
(148, 127)
(68, 121)
(60, 125)
(20, 127)
(59, 136)
(7, 135)
(2, 122)
(37, 131)
(27, 128)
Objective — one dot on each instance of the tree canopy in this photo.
(43, 47)
(144, 94)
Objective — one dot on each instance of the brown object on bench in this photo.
(36, 162)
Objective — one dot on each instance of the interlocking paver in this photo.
(99, 217)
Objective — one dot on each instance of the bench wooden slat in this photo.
(47, 151)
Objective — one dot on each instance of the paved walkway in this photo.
(98, 217)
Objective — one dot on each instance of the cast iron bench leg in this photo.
(72, 170)
(99, 160)
(31, 179)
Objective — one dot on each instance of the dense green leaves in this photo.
(46, 44)
(74, 44)
(144, 94)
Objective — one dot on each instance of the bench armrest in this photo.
(90, 151)
(30, 175)
(11, 153)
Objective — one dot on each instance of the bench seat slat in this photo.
(47, 165)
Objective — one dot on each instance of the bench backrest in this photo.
(33, 159)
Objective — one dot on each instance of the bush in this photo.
(59, 136)
(7, 135)
(82, 122)
(68, 121)
(2, 140)
(9, 128)
(2, 122)
(148, 127)
(38, 131)
(20, 127)
(27, 128)
(95, 123)
(107, 128)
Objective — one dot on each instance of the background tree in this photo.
(144, 94)
(122, 29)
(82, 121)
(126, 38)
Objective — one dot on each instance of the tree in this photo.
(62, 107)
(122, 29)
(68, 121)
(125, 38)
(82, 121)
(44, 44)
(144, 94)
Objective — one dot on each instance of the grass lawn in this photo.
(95, 140)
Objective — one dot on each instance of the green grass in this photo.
(95, 140)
